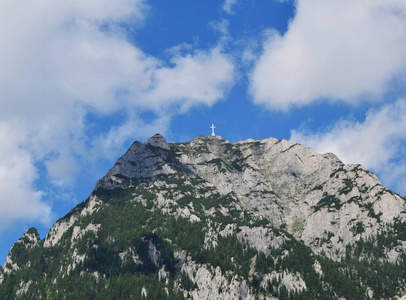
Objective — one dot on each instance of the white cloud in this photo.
(63, 60)
(377, 143)
(228, 6)
(19, 200)
(339, 49)
(221, 28)
(189, 79)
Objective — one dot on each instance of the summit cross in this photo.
(212, 129)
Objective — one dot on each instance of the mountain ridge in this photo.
(277, 200)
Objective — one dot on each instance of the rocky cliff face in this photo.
(208, 219)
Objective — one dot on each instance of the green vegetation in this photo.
(358, 228)
(348, 186)
(297, 226)
(318, 187)
(329, 201)
(337, 172)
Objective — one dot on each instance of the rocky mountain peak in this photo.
(210, 219)
(146, 160)
(158, 140)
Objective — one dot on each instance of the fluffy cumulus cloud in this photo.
(189, 80)
(377, 143)
(60, 62)
(337, 50)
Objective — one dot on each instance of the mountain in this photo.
(207, 219)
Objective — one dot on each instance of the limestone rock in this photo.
(158, 140)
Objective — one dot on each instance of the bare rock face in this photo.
(140, 161)
(158, 140)
(317, 197)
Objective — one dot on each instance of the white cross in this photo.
(212, 129)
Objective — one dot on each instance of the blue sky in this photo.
(81, 80)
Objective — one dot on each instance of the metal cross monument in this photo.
(212, 129)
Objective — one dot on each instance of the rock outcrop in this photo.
(158, 140)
